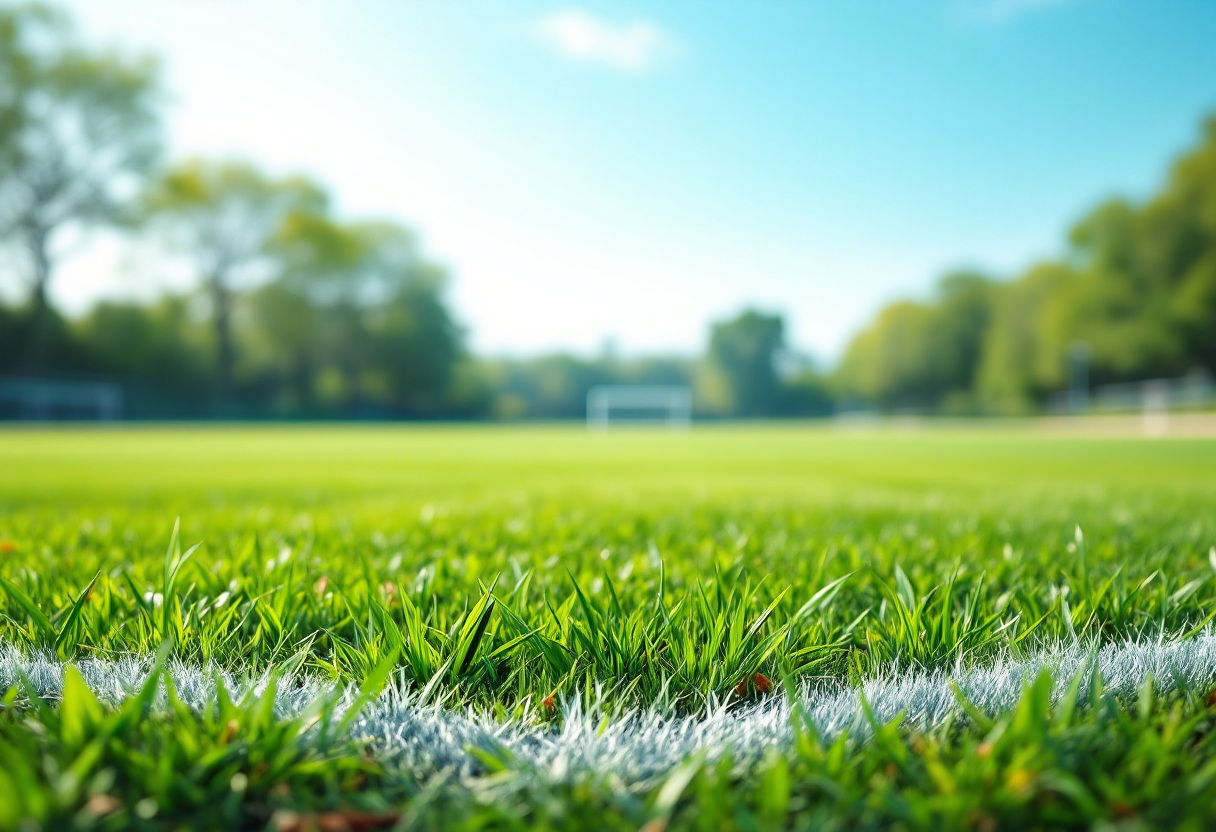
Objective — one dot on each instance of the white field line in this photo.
(638, 745)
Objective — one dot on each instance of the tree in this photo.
(417, 342)
(1191, 193)
(376, 308)
(923, 355)
(84, 131)
(963, 319)
(1023, 356)
(1137, 287)
(745, 350)
(1150, 299)
(889, 363)
(334, 268)
(156, 348)
(223, 216)
(283, 327)
(17, 67)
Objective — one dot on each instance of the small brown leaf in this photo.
(340, 821)
(102, 804)
(756, 683)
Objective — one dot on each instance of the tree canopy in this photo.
(1136, 288)
(79, 129)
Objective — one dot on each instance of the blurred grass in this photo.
(303, 464)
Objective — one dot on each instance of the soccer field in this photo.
(744, 627)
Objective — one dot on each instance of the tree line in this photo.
(300, 312)
(1133, 297)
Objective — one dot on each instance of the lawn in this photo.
(753, 627)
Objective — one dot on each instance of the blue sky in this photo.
(633, 170)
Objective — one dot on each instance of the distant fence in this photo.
(1193, 391)
(1155, 398)
(47, 400)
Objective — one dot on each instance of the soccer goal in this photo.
(638, 404)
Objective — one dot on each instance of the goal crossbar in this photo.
(639, 404)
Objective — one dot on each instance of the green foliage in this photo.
(359, 300)
(222, 216)
(918, 355)
(1022, 355)
(1137, 286)
(745, 350)
(76, 126)
(161, 345)
(347, 317)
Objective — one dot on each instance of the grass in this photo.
(512, 570)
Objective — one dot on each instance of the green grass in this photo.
(509, 565)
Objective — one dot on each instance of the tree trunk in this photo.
(39, 320)
(302, 376)
(221, 299)
(350, 370)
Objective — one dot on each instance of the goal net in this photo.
(638, 404)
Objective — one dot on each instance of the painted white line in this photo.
(636, 746)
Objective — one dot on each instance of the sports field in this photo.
(752, 627)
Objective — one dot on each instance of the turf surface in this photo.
(529, 573)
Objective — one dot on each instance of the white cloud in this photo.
(628, 47)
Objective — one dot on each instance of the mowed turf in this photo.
(512, 570)
(293, 465)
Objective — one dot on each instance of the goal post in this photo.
(638, 404)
